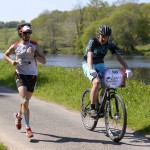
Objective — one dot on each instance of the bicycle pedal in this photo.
(94, 118)
(101, 115)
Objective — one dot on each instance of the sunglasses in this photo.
(25, 33)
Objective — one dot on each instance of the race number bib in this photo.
(115, 78)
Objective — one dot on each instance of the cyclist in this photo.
(93, 61)
(27, 54)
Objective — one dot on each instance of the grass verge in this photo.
(2, 146)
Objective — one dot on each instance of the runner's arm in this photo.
(7, 54)
(40, 55)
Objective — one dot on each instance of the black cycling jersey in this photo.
(99, 51)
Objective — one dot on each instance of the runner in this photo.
(27, 54)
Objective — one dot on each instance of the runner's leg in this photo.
(24, 109)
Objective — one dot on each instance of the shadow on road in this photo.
(134, 139)
(62, 139)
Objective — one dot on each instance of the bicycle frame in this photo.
(105, 99)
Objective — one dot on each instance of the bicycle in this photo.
(110, 106)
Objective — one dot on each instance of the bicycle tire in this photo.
(115, 118)
(88, 122)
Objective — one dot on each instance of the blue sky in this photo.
(17, 10)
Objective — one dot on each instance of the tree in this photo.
(2, 25)
(126, 25)
(142, 31)
(11, 24)
(145, 9)
(48, 29)
(120, 2)
(94, 8)
(89, 32)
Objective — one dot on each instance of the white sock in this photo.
(19, 115)
(27, 126)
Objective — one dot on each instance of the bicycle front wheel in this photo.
(115, 118)
(88, 122)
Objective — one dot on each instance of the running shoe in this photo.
(29, 133)
(17, 121)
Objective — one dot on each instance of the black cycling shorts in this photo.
(26, 80)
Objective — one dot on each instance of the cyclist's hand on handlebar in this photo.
(129, 73)
(93, 73)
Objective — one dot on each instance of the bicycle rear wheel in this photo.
(88, 122)
(115, 118)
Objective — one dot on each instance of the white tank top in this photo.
(27, 63)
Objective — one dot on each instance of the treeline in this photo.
(11, 24)
(69, 31)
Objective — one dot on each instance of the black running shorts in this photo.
(26, 80)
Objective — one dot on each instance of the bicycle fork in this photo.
(111, 94)
(106, 100)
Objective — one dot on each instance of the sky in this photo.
(17, 10)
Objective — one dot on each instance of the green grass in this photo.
(136, 96)
(65, 86)
(61, 85)
(145, 49)
(3, 147)
(8, 36)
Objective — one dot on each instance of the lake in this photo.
(139, 64)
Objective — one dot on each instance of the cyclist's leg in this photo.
(94, 89)
(101, 68)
